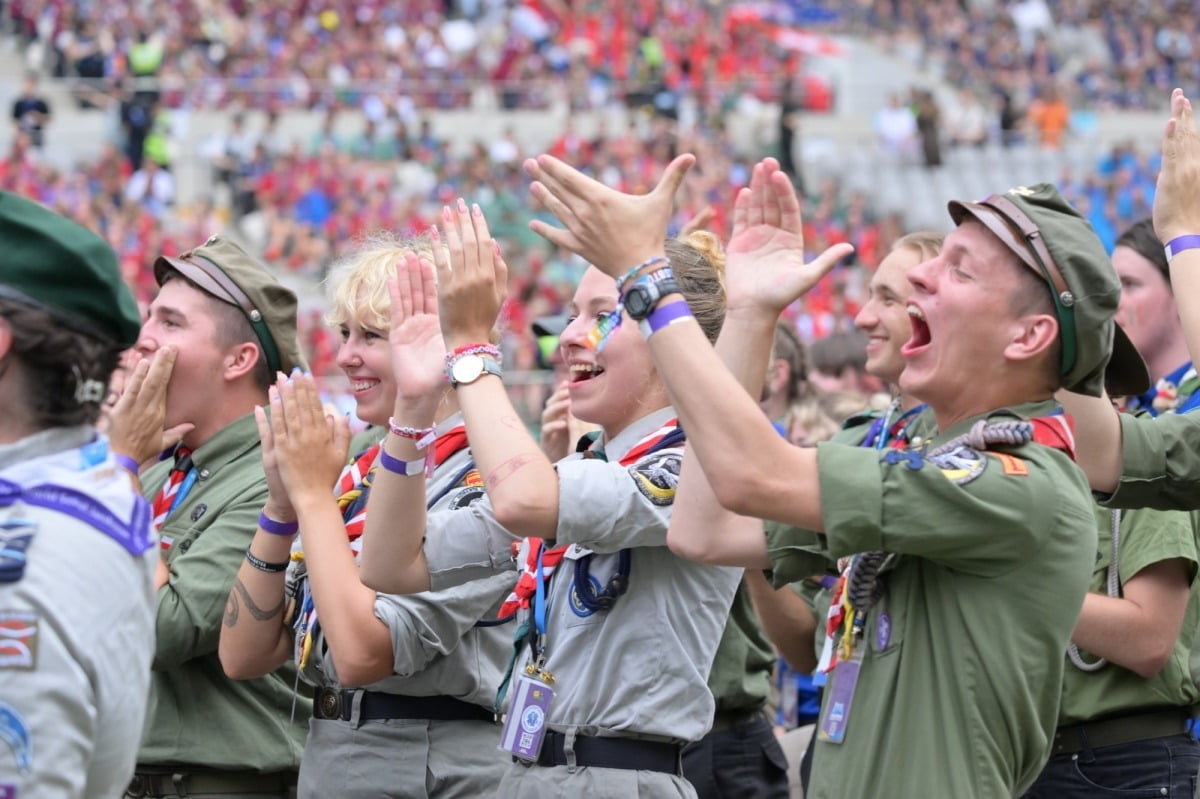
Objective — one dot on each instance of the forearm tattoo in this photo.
(233, 606)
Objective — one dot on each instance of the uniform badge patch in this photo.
(577, 607)
(200, 510)
(1013, 466)
(657, 476)
(15, 536)
(473, 478)
(911, 458)
(18, 639)
(960, 465)
(466, 497)
(14, 733)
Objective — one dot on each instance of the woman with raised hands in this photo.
(616, 633)
(405, 684)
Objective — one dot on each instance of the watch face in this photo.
(467, 369)
(637, 302)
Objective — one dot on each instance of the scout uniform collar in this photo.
(620, 444)
(46, 442)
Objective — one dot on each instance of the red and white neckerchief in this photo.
(166, 495)
(1057, 432)
(353, 488)
(526, 585)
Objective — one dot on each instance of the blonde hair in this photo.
(357, 286)
(925, 243)
(698, 261)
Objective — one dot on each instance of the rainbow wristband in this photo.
(1181, 243)
(269, 525)
(665, 316)
(473, 349)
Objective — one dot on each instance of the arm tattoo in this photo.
(508, 469)
(231, 610)
(257, 612)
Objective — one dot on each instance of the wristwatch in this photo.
(643, 297)
(470, 367)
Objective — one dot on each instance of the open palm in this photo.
(765, 268)
(418, 351)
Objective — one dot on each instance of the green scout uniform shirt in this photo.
(959, 689)
(740, 679)
(853, 433)
(197, 715)
(1147, 537)
(1161, 462)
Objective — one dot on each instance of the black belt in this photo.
(1145, 726)
(623, 753)
(233, 783)
(331, 703)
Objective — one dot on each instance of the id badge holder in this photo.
(835, 713)
(525, 726)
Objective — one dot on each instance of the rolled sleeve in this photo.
(795, 553)
(851, 498)
(1160, 463)
(466, 544)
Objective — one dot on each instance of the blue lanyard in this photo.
(539, 599)
(879, 434)
(184, 488)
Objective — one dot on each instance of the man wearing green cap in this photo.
(233, 326)
(969, 556)
(76, 552)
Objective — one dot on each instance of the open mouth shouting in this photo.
(921, 337)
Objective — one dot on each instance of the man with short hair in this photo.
(970, 554)
(76, 552)
(234, 327)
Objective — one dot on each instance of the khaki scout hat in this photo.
(226, 271)
(51, 263)
(1059, 245)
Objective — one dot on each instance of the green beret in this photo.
(226, 271)
(56, 265)
(1060, 246)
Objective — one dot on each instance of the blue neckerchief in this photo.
(1145, 402)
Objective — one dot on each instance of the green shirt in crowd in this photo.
(959, 686)
(740, 679)
(197, 716)
(1146, 537)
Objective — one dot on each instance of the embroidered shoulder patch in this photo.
(657, 476)
(18, 639)
(911, 458)
(15, 733)
(960, 465)
(1013, 466)
(466, 497)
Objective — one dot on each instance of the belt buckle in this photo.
(330, 704)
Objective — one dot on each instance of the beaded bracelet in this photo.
(127, 463)
(632, 273)
(265, 566)
(473, 349)
(269, 525)
(424, 437)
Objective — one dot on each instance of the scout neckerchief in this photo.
(354, 488)
(179, 482)
(882, 434)
(668, 435)
(536, 574)
(1176, 392)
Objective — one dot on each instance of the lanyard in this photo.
(184, 488)
(881, 431)
(539, 607)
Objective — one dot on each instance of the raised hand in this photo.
(609, 229)
(765, 269)
(310, 447)
(415, 338)
(555, 439)
(1177, 197)
(279, 505)
(472, 276)
(136, 420)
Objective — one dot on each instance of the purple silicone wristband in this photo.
(269, 525)
(397, 466)
(127, 463)
(665, 315)
(1181, 243)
